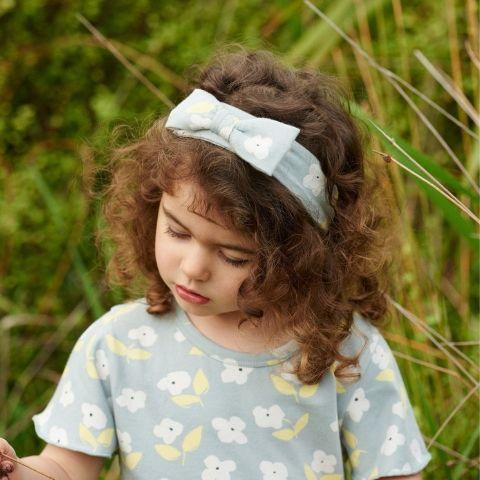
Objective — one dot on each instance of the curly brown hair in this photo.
(307, 281)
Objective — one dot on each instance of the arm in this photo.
(61, 464)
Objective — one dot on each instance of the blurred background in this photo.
(412, 67)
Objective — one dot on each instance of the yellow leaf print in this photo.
(192, 439)
(309, 474)
(282, 385)
(332, 476)
(78, 346)
(138, 354)
(200, 107)
(355, 457)
(87, 436)
(185, 400)
(386, 375)
(285, 434)
(340, 388)
(105, 437)
(374, 474)
(350, 438)
(273, 361)
(110, 316)
(301, 423)
(91, 370)
(200, 383)
(308, 390)
(195, 351)
(132, 459)
(88, 350)
(167, 452)
(116, 346)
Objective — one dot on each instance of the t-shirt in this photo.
(176, 405)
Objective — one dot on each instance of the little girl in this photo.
(254, 352)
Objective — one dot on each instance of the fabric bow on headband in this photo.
(266, 144)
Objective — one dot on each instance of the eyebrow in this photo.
(224, 245)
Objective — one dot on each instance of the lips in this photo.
(192, 291)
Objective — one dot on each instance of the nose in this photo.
(196, 264)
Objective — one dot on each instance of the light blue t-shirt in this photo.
(176, 405)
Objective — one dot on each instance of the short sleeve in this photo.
(379, 431)
(79, 414)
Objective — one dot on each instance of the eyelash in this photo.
(235, 263)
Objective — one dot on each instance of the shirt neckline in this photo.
(226, 355)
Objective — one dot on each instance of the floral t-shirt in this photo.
(176, 405)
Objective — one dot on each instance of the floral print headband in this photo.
(266, 144)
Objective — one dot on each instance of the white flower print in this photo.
(42, 418)
(229, 431)
(416, 450)
(314, 179)
(335, 425)
(322, 462)
(179, 336)
(399, 409)
(168, 430)
(258, 146)
(58, 436)
(234, 373)
(380, 357)
(67, 397)
(199, 122)
(101, 363)
(269, 417)
(374, 341)
(124, 441)
(393, 439)
(401, 471)
(93, 416)
(133, 400)
(175, 382)
(286, 369)
(273, 470)
(217, 470)
(358, 405)
(145, 335)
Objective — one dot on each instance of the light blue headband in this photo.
(266, 144)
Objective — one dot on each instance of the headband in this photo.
(266, 144)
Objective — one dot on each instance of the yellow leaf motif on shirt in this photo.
(309, 474)
(301, 423)
(105, 437)
(185, 400)
(88, 350)
(308, 390)
(282, 385)
(138, 354)
(167, 452)
(195, 351)
(87, 436)
(132, 459)
(116, 346)
(339, 387)
(332, 476)
(200, 383)
(350, 438)
(374, 474)
(200, 107)
(78, 346)
(192, 439)
(91, 370)
(285, 434)
(355, 457)
(386, 375)
(108, 317)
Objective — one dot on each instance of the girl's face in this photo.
(200, 255)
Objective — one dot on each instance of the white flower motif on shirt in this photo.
(93, 416)
(400, 409)
(175, 382)
(314, 179)
(416, 450)
(234, 373)
(133, 400)
(358, 405)
(258, 146)
(380, 357)
(322, 462)
(374, 341)
(179, 336)
(286, 372)
(401, 471)
(273, 470)
(168, 430)
(217, 470)
(336, 425)
(229, 431)
(124, 441)
(268, 417)
(393, 439)
(42, 418)
(58, 436)
(145, 335)
(67, 397)
(199, 122)
(101, 364)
